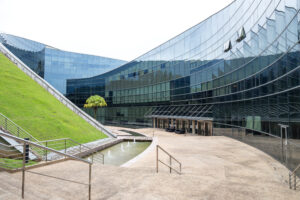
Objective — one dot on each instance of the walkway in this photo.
(213, 168)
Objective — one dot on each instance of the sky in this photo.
(121, 29)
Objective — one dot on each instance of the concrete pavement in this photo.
(213, 168)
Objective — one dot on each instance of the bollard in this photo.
(26, 151)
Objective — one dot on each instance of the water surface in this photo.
(123, 152)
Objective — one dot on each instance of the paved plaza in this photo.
(212, 168)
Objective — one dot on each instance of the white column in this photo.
(193, 127)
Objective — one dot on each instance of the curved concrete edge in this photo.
(135, 159)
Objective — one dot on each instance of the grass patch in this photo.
(14, 164)
(30, 106)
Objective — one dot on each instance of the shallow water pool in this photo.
(122, 152)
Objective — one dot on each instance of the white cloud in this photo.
(113, 28)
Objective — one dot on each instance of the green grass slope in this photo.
(30, 106)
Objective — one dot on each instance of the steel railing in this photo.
(54, 92)
(72, 147)
(23, 157)
(170, 160)
(293, 179)
(12, 128)
(58, 144)
(10, 157)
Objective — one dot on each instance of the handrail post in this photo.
(170, 164)
(180, 167)
(26, 144)
(18, 131)
(295, 181)
(23, 170)
(170, 160)
(290, 181)
(46, 151)
(5, 123)
(156, 158)
(65, 147)
(90, 180)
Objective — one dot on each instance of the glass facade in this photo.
(54, 65)
(239, 68)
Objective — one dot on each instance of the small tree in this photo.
(95, 102)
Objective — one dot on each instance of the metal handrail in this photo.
(170, 161)
(12, 128)
(27, 142)
(9, 145)
(80, 146)
(18, 127)
(293, 178)
(54, 92)
(296, 169)
(20, 140)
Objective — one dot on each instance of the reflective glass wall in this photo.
(242, 63)
(54, 65)
(239, 67)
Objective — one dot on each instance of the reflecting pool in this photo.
(122, 152)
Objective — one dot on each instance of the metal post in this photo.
(170, 164)
(286, 137)
(286, 146)
(294, 181)
(65, 146)
(18, 131)
(284, 154)
(90, 180)
(180, 167)
(281, 143)
(23, 170)
(46, 151)
(26, 151)
(290, 182)
(5, 123)
(156, 158)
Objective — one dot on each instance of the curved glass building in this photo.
(54, 65)
(237, 73)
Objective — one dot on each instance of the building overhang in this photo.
(181, 117)
(182, 112)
